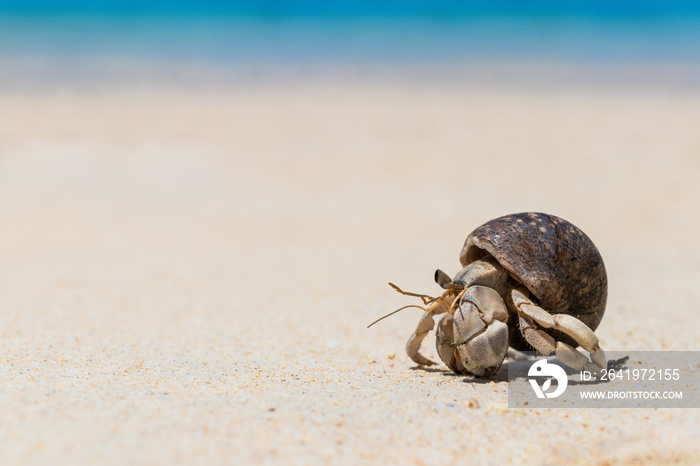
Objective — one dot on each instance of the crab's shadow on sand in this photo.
(517, 368)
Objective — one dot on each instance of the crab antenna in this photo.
(392, 313)
(424, 297)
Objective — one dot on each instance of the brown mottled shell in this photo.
(554, 259)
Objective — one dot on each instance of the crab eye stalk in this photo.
(442, 279)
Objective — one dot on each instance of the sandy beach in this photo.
(186, 274)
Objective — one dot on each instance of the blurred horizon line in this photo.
(544, 41)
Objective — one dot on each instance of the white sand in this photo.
(186, 275)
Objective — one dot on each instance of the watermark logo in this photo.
(631, 379)
(542, 368)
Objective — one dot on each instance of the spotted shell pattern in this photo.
(555, 260)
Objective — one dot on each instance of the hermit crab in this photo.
(529, 281)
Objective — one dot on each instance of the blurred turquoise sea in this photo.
(209, 41)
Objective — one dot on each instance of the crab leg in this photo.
(425, 325)
(530, 314)
(539, 340)
(547, 345)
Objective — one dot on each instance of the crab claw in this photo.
(480, 331)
